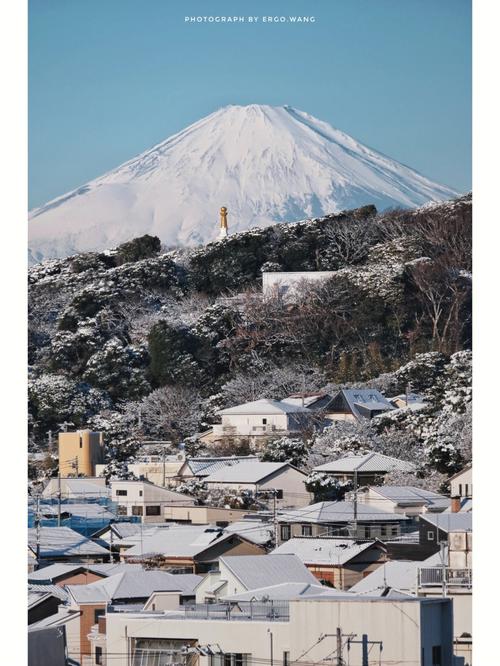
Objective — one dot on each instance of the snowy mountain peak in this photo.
(265, 163)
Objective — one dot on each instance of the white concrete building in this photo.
(406, 500)
(461, 483)
(411, 631)
(262, 418)
(144, 499)
(285, 284)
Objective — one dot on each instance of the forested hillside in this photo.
(141, 342)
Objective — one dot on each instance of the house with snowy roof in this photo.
(341, 519)
(203, 466)
(144, 499)
(335, 561)
(260, 420)
(407, 500)
(278, 480)
(236, 575)
(187, 548)
(368, 469)
(357, 404)
(62, 544)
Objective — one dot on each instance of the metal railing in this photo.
(242, 611)
(435, 576)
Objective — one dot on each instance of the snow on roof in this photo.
(205, 466)
(337, 512)
(54, 571)
(323, 550)
(450, 522)
(395, 574)
(287, 591)
(132, 585)
(367, 399)
(258, 531)
(370, 462)
(410, 495)
(246, 472)
(176, 541)
(265, 406)
(63, 542)
(77, 488)
(256, 571)
(82, 510)
(36, 590)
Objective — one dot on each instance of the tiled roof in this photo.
(205, 466)
(176, 541)
(287, 591)
(368, 399)
(337, 512)
(255, 571)
(63, 542)
(54, 571)
(38, 591)
(409, 495)
(247, 472)
(371, 462)
(450, 522)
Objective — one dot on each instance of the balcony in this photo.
(439, 576)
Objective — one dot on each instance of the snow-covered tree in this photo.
(286, 449)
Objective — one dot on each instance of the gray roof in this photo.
(396, 574)
(258, 531)
(176, 541)
(370, 462)
(287, 591)
(63, 542)
(83, 510)
(411, 496)
(35, 590)
(337, 512)
(77, 488)
(324, 550)
(264, 407)
(54, 571)
(256, 571)
(361, 401)
(246, 472)
(132, 585)
(205, 466)
(450, 522)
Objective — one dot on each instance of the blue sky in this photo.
(110, 78)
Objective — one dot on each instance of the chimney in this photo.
(455, 504)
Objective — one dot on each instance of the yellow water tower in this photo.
(80, 452)
(223, 222)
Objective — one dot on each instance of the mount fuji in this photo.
(266, 164)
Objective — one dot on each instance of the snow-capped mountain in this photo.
(266, 164)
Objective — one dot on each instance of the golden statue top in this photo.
(223, 210)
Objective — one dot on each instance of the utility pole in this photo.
(59, 497)
(355, 503)
(271, 647)
(49, 434)
(340, 661)
(275, 518)
(111, 542)
(442, 545)
(364, 647)
(37, 530)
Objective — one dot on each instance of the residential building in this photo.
(280, 482)
(368, 469)
(145, 500)
(121, 590)
(408, 631)
(435, 528)
(188, 548)
(200, 468)
(203, 515)
(236, 575)
(43, 601)
(339, 519)
(357, 404)
(154, 467)
(407, 500)
(260, 420)
(62, 544)
(314, 402)
(65, 621)
(461, 484)
(337, 562)
(412, 401)
(80, 452)
(79, 573)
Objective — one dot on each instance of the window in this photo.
(285, 532)
(140, 493)
(137, 511)
(430, 536)
(466, 490)
(98, 655)
(460, 489)
(394, 530)
(121, 493)
(264, 421)
(383, 530)
(153, 510)
(121, 510)
(368, 531)
(98, 612)
(436, 655)
(306, 530)
(286, 659)
(234, 659)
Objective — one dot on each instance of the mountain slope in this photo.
(266, 164)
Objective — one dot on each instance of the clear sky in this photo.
(110, 78)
